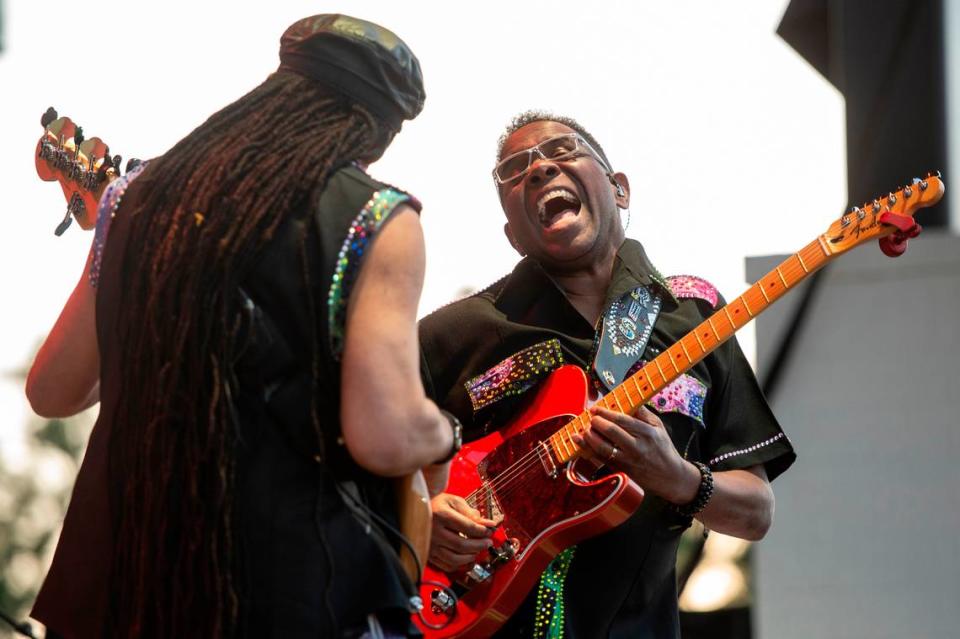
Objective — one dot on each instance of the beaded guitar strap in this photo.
(625, 330)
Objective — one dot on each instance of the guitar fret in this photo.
(566, 428)
(674, 361)
(564, 443)
(743, 298)
(782, 278)
(615, 399)
(626, 394)
(716, 333)
(823, 245)
(582, 418)
(696, 334)
(657, 362)
(689, 359)
(726, 310)
(763, 292)
(633, 378)
(646, 381)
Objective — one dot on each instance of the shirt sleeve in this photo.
(742, 430)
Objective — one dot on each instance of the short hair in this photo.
(536, 115)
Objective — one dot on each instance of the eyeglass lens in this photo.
(556, 148)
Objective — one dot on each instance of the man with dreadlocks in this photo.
(252, 342)
(585, 295)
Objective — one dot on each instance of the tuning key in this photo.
(907, 192)
(78, 136)
(891, 199)
(132, 163)
(876, 206)
(48, 116)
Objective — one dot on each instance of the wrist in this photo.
(704, 491)
(456, 430)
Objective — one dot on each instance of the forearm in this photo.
(64, 377)
(389, 425)
(742, 504)
(412, 434)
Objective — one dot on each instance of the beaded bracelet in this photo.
(704, 492)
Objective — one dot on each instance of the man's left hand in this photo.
(641, 447)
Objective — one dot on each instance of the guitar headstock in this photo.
(888, 215)
(83, 167)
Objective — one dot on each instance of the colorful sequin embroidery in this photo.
(515, 374)
(106, 210)
(549, 616)
(692, 286)
(361, 231)
(685, 395)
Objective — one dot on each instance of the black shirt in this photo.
(621, 583)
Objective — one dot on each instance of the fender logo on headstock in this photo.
(890, 219)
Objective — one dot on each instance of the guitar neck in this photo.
(643, 385)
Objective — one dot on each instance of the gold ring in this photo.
(613, 453)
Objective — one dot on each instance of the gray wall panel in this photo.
(865, 542)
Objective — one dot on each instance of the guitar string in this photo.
(530, 459)
(519, 467)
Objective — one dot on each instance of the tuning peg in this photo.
(907, 192)
(48, 116)
(117, 159)
(891, 199)
(78, 136)
(876, 206)
(132, 163)
(935, 174)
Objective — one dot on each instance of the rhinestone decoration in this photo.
(743, 451)
(106, 210)
(361, 231)
(686, 286)
(514, 375)
(549, 614)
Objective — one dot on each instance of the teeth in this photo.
(551, 195)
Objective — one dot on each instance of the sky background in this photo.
(734, 146)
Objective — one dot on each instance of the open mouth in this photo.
(556, 204)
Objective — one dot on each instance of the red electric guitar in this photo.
(527, 473)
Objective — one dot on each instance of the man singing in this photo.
(707, 446)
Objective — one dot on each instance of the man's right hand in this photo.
(459, 533)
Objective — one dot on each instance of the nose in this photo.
(542, 171)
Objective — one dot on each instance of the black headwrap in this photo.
(360, 59)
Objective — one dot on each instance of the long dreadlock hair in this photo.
(206, 208)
